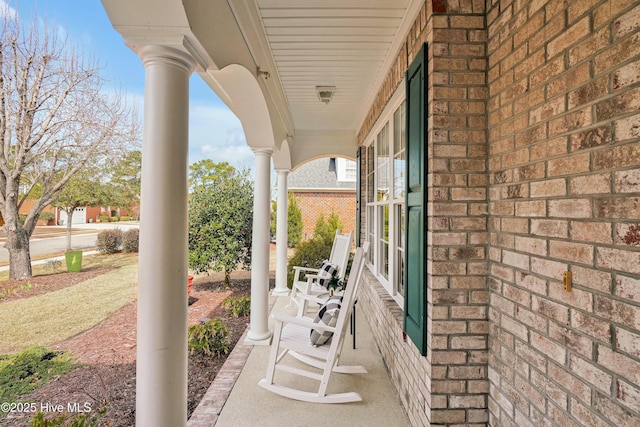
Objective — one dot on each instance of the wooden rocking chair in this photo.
(292, 336)
(305, 280)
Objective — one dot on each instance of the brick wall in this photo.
(458, 214)
(534, 170)
(312, 204)
(564, 163)
(449, 385)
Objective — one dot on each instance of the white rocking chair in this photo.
(292, 336)
(305, 289)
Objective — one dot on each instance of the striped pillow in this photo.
(327, 315)
(326, 270)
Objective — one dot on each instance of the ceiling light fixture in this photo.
(325, 93)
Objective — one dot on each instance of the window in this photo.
(346, 170)
(385, 165)
(394, 168)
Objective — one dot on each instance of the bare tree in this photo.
(54, 118)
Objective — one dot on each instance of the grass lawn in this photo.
(52, 317)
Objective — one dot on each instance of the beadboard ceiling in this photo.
(342, 43)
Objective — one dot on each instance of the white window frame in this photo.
(346, 170)
(373, 208)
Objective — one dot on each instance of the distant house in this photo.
(324, 186)
(81, 215)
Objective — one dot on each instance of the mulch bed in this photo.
(41, 284)
(108, 353)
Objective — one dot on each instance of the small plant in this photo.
(130, 240)
(105, 218)
(238, 306)
(335, 284)
(67, 420)
(54, 265)
(109, 241)
(210, 338)
(23, 372)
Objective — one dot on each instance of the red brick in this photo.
(590, 277)
(619, 363)
(629, 288)
(628, 128)
(567, 38)
(627, 23)
(574, 252)
(616, 311)
(591, 325)
(591, 184)
(570, 208)
(591, 231)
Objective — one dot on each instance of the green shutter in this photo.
(415, 299)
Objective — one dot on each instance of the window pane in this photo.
(383, 212)
(370, 174)
(370, 232)
(383, 163)
(399, 163)
(400, 249)
(399, 126)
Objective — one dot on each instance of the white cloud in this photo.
(6, 10)
(216, 133)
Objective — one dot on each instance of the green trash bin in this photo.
(74, 261)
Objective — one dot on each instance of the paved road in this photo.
(84, 237)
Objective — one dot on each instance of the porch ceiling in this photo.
(341, 43)
(349, 44)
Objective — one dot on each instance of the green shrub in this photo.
(47, 216)
(238, 306)
(24, 372)
(131, 240)
(104, 218)
(312, 252)
(67, 420)
(211, 338)
(109, 241)
(125, 218)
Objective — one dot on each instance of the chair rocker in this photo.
(305, 280)
(292, 336)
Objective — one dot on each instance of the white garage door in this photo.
(79, 216)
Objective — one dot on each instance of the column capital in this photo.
(262, 151)
(283, 171)
(169, 55)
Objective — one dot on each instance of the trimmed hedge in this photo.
(131, 240)
(109, 241)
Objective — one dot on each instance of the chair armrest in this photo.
(298, 268)
(316, 276)
(318, 299)
(302, 321)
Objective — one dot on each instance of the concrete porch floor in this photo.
(235, 399)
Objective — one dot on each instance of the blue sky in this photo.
(214, 131)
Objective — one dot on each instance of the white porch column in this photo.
(282, 234)
(161, 383)
(259, 329)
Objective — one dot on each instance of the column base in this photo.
(258, 340)
(281, 292)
